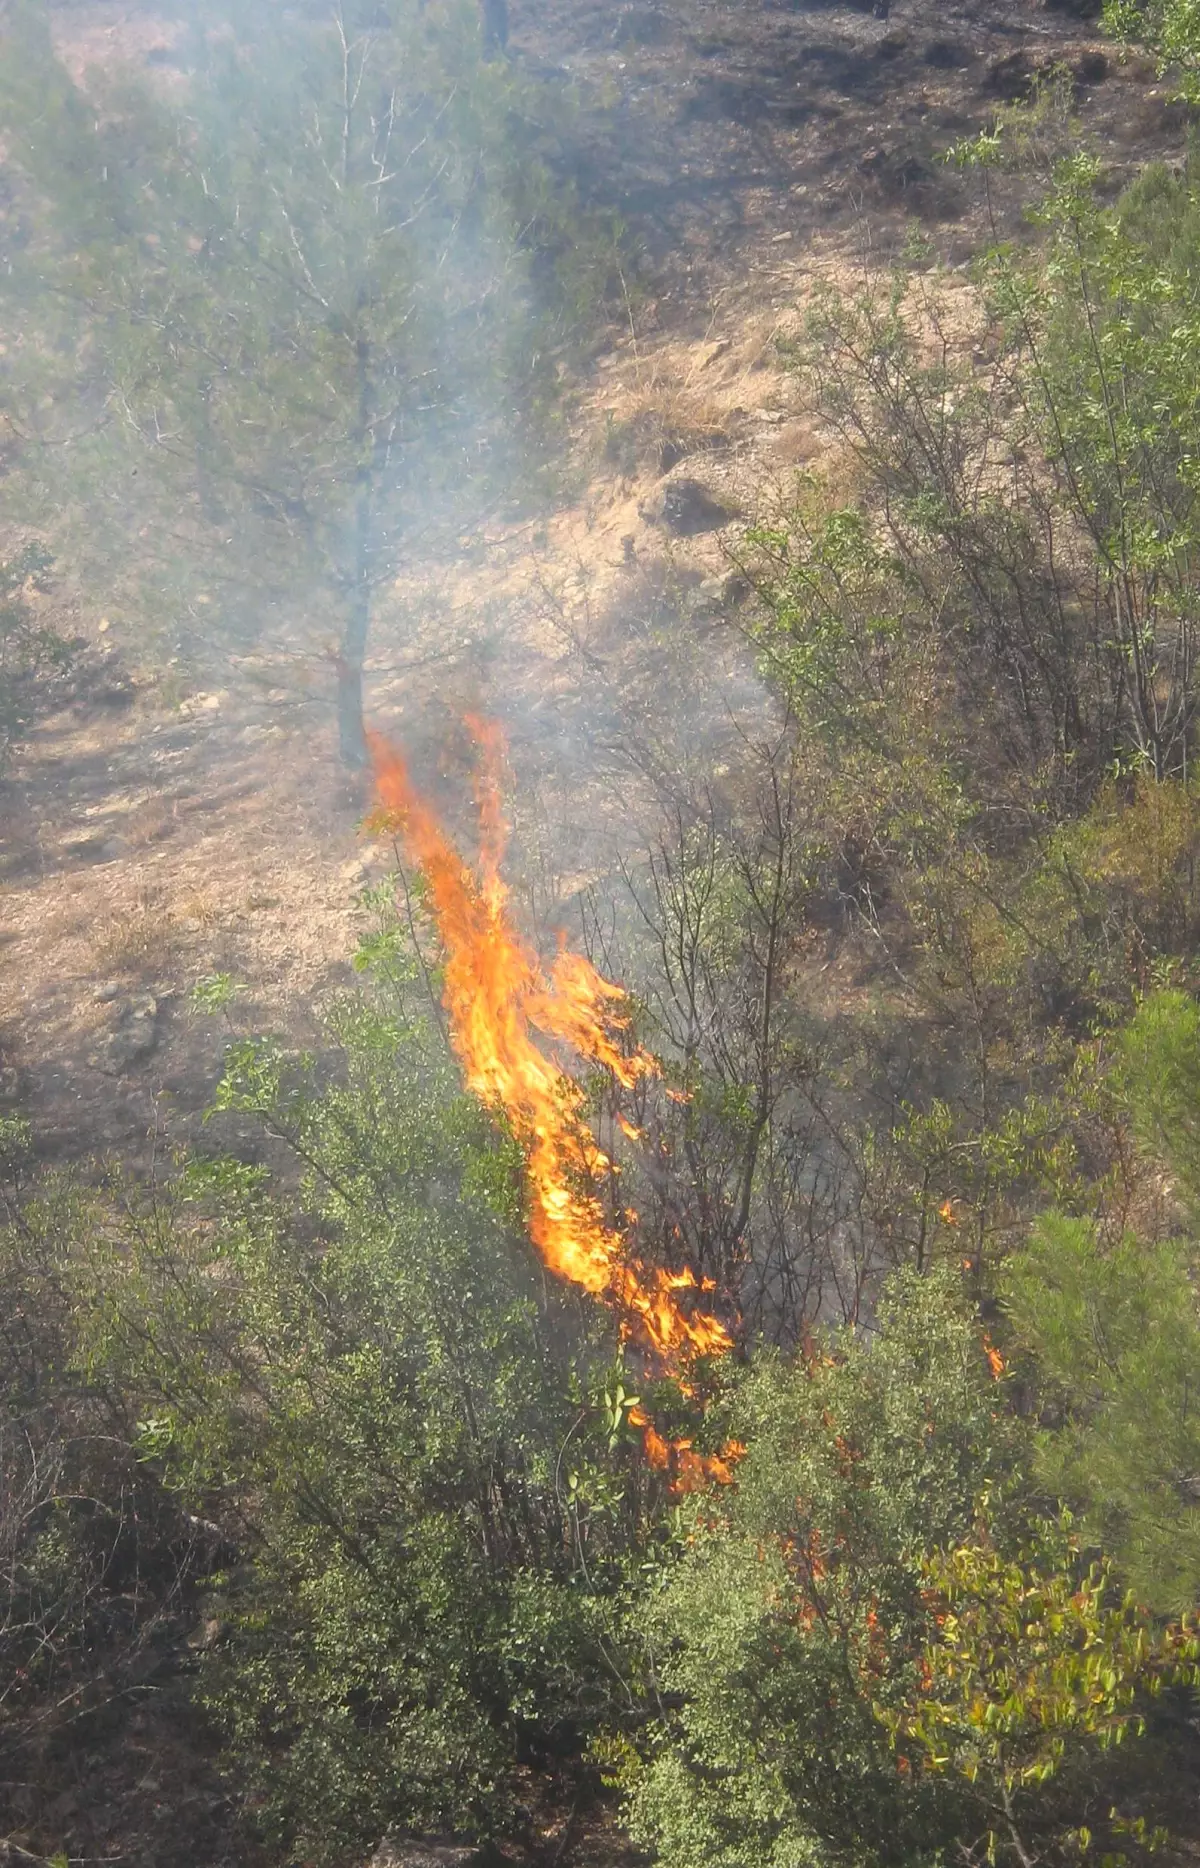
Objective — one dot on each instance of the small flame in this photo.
(497, 994)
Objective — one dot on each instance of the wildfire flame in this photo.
(497, 994)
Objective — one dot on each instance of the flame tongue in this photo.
(497, 994)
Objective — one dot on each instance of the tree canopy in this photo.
(288, 321)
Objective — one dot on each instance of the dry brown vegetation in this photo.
(753, 151)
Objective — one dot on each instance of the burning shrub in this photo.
(876, 1649)
(797, 1611)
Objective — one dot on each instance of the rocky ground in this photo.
(159, 827)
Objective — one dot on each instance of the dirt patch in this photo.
(154, 834)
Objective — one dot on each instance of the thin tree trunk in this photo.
(352, 734)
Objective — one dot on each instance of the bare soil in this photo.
(750, 150)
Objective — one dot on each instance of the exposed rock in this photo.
(1075, 9)
(894, 171)
(640, 25)
(947, 55)
(723, 592)
(1009, 78)
(206, 1634)
(676, 447)
(200, 703)
(86, 846)
(712, 352)
(98, 679)
(686, 507)
(426, 1852)
(131, 1035)
(117, 690)
(1090, 68)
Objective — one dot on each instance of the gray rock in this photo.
(675, 448)
(641, 25)
(426, 1852)
(686, 507)
(1009, 77)
(1091, 68)
(86, 846)
(723, 592)
(131, 1036)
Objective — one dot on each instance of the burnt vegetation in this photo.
(331, 1520)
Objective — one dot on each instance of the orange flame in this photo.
(497, 994)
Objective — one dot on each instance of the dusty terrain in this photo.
(165, 826)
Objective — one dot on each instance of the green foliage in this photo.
(214, 993)
(837, 605)
(29, 652)
(361, 1386)
(95, 1557)
(1038, 1663)
(1171, 28)
(1113, 1328)
(1160, 1072)
(796, 1616)
(438, 1555)
(984, 630)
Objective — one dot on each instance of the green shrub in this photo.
(29, 652)
(796, 1614)
(360, 1383)
(1111, 1323)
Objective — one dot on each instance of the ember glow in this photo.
(497, 995)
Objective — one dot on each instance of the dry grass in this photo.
(151, 822)
(656, 422)
(62, 922)
(199, 911)
(142, 942)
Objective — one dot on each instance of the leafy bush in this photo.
(796, 1614)
(1171, 28)
(877, 1650)
(96, 1557)
(1040, 1666)
(361, 1386)
(1111, 1322)
(29, 652)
